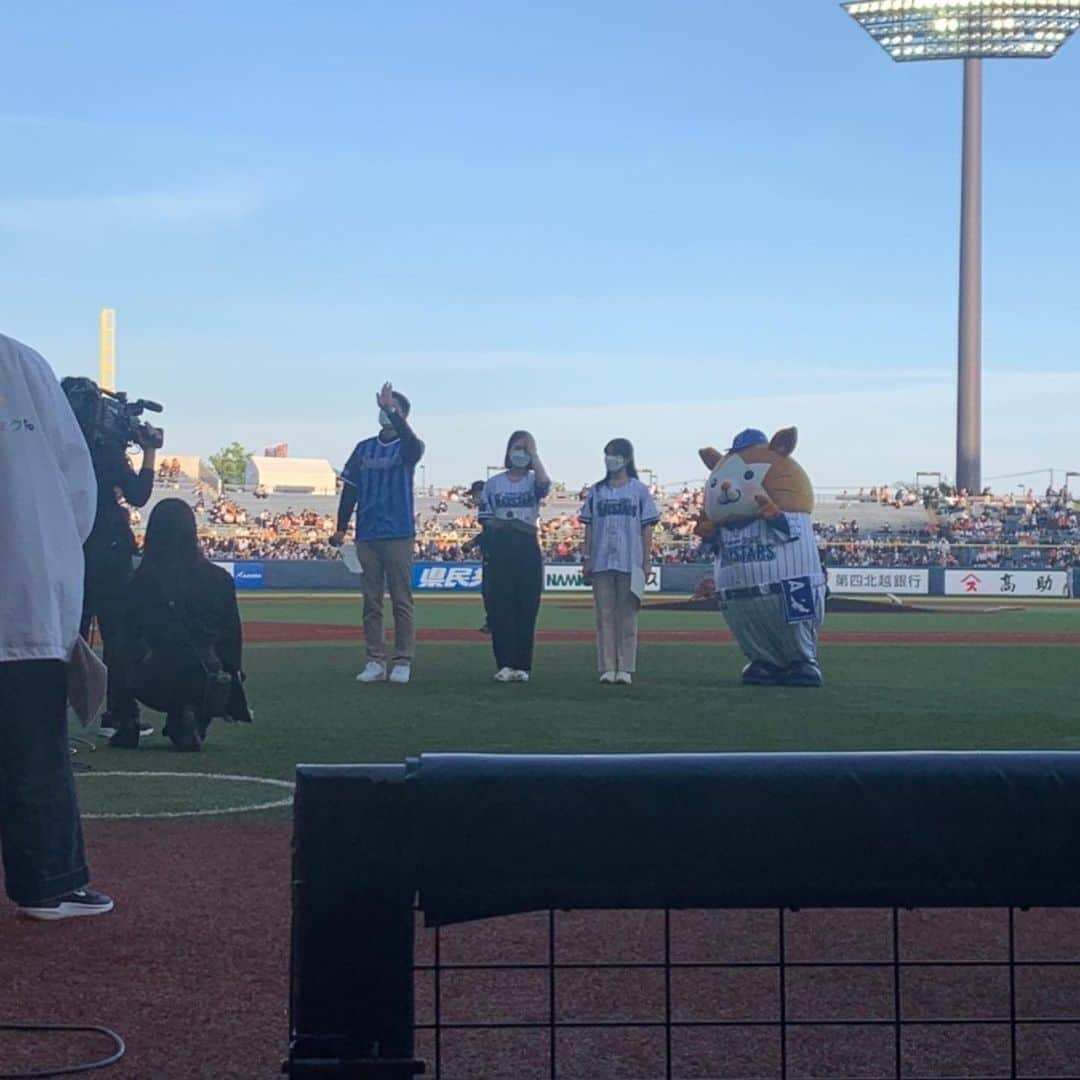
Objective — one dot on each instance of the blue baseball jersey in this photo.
(383, 479)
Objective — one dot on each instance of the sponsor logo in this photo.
(249, 575)
(564, 579)
(443, 577)
(911, 582)
(568, 579)
(1031, 583)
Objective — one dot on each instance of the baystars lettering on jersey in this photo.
(759, 553)
(508, 499)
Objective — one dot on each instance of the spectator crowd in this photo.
(1015, 531)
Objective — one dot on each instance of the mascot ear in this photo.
(711, 457)
(783, 442)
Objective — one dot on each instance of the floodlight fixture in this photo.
(969, 30)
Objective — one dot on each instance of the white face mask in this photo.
(384, 419)
(520, 459)
(614, 463)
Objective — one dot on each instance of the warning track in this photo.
(301, 633)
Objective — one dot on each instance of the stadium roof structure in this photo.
(910, 30)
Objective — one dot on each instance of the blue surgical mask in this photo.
(384, 419)
(520, 459)
(614, 462)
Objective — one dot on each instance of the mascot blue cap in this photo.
(749, 437)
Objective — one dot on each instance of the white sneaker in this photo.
(608, 677)
(519, 676)
(374, 672)
(401, 673)
(504, 675)
(69, 906)
(624, 678)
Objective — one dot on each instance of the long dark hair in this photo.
(624, 448)
(171, 549)
(510, 442)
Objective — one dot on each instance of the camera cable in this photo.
(69, 1070)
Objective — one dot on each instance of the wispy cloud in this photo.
(206, 203)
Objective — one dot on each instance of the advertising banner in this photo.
(249, 575)
(469, 577)
(447, 577)
(1006, 583)
(567, 578)
(879, 582)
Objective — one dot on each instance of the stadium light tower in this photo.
(969, 30)
(107, 349)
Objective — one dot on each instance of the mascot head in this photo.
(757, 477)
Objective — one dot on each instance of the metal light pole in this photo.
(969, 30)
(969, 368)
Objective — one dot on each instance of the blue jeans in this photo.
(40, 830)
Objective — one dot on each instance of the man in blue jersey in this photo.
(379, 487)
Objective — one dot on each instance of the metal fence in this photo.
(902, 1007)
(577, 922)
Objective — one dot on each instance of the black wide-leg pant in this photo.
(514, 580)
(40, 830)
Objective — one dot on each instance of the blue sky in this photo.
(662, 220)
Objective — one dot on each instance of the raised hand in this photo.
(385, 398)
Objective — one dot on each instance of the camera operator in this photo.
(111, 547)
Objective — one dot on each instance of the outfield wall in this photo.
(332, 575)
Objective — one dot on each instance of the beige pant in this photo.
(388, 564)
(616, 621)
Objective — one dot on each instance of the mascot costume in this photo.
(769, 579)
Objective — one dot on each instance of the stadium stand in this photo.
(881, 527)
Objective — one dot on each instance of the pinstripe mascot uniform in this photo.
(769, 579)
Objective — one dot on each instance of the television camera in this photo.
(107, 417)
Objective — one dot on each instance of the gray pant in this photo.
(760, 626)
(388, 564)
(616, 621)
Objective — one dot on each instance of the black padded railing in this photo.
(470, 837)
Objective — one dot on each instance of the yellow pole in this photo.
(107, 351)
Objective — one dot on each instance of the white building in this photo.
(289, 476)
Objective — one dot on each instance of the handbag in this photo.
(87, 682)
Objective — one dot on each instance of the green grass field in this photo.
(687, 698)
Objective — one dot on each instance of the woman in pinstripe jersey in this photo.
(619, 515)
(513, 566)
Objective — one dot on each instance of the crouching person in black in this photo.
(184, 629)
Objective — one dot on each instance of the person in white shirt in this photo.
(50, 496)
(513, 566)
(619, 516)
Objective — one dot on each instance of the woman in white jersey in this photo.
(513, 567)
(618, 515)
